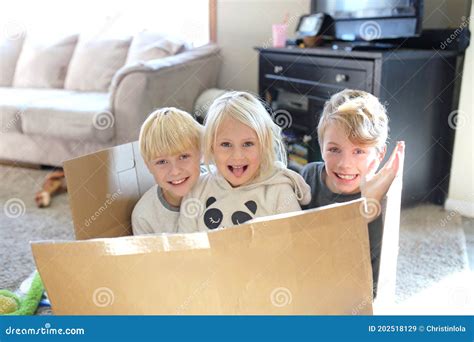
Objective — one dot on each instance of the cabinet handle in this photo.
(277, 69)
(341, 78)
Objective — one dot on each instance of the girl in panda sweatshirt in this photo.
(250, 178)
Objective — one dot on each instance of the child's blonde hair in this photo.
(361, 114)
(247, 109)
(169, 131)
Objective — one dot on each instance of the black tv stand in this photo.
(417, 86)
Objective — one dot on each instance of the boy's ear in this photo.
(382, 153)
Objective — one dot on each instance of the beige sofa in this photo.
(72, 96)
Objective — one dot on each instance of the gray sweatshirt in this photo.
(153, 214)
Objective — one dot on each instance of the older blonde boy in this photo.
(352, 134)
(170, 141)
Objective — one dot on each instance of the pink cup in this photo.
(279, 35)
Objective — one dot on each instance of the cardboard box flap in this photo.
(311, 262)
(103, 188)
(389, 243)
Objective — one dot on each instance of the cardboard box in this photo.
(311, 262)
(103, 188)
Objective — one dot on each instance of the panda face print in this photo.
(240, 217)
(213, 217)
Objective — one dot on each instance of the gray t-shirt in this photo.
(321, 195)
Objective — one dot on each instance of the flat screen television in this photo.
(368, 20)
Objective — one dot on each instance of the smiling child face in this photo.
(176, 174)
(346, 162)
(237, 152)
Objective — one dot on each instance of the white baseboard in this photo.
(464, 208)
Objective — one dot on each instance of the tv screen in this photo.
(364, 9)
(372, 19)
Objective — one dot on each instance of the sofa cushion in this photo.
(94, 63)
(13, 103)
(69, 115)
(149, 45)
(9, 51)
(43, 61)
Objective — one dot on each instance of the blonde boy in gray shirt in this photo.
(170, 141)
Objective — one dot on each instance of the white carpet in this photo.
(433, 275)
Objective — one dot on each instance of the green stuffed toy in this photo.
(11, 304)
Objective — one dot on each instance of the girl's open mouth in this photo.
(237, 170)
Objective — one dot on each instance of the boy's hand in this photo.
(375, 186)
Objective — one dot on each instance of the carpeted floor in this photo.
(433, 261)
(21, 221)
(433, 276)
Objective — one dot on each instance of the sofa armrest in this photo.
(176, 81)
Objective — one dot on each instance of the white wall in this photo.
(245, 24)
(461, 186)
(444, 13)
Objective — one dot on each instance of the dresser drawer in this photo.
(332, 74)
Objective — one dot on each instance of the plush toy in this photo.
(11, 304)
